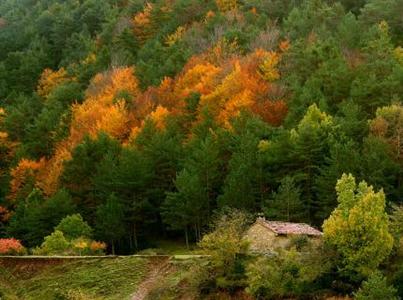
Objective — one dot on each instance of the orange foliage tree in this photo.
(244, 87)
(103, 110)
(23, 178)
(143, 26)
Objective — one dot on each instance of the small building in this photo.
(266, 236)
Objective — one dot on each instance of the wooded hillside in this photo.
(140, 120)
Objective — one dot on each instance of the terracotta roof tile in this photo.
(289, 228)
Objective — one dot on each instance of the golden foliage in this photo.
(226, 83)
(3, 135)
(26, 171)
(398, 54)
(172, 38)
(158, 117)
(143, 27)
(200, 79)
(49, 80)
(358, 227)
(244, 88)
(223, 50)
(103, 110)
(226, 5)
(268, 69)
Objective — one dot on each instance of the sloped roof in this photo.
(289, 228)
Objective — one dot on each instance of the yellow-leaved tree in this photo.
(49, 80)
(358, 228)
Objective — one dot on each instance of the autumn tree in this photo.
(49, 80)
(358, 228)
(104, 110)
(143, 24)
(24, 177)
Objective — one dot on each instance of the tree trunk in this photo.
(186, 237)
(136, 246)
(113, 247)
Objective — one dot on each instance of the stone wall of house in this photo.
(263, 240)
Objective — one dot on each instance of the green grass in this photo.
(115, 278)
(168, 247)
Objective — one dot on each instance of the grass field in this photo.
(112, 278)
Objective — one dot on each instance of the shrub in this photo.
(287, 274)
(84, 246)
(54, 244)
(97, 248)
(11, 247)
(398, 282)
(376, 288)
(228, 250)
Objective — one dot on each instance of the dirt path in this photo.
(158, 271)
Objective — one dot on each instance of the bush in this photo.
(227, 248)
(57, 244)
(376, 288)
(84, 246)
(54, 244)
(398, 282)
(11, 247)
(287, 274)
(97, 248)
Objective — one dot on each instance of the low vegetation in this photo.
(112, 278)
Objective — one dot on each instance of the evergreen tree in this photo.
(343, 150)
(309, 142)
(79, 172)
(27, 223)
(286, 203)
(244, 185)
(186, 207)
(110, 221)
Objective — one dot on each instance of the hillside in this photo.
(91, 278)
(128, 122)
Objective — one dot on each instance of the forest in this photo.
(126, 122)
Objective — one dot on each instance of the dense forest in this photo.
(141, 120)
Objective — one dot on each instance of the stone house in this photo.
(266, 236)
